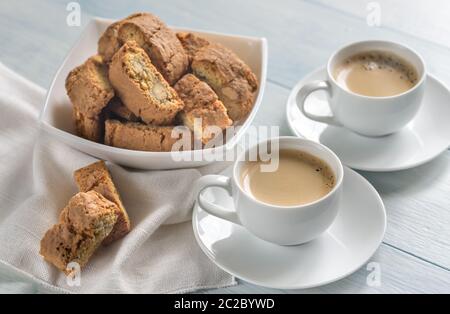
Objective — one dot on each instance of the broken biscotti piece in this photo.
(201, 103)
(139, 136)
(88, 87)
(83, 224)
(229, 77)
(116, 107)
(141, 87)
(96, 177)
(159, 42)
(191, 43)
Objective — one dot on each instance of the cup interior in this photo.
(288, 142)
(402, 51)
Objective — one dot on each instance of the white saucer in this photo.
(348, 244)
(421, 140)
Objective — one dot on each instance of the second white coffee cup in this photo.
(284, 225)
(366, 115)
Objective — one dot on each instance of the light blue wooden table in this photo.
(415, 254)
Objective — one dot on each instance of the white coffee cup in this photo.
(284, 225)
(366, 115)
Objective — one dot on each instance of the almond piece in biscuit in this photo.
(142, 88)
(96, 177)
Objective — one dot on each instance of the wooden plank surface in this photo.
(301, 35)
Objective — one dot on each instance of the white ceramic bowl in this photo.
(56, 117)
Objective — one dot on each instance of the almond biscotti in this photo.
(88, 87)
(158, 41)
(109, 43)
(89, 91)
(201, 104)
(191, 43)
(83, 224)
(139, 136)
(229, 76)
(142, 88)
(194, 93)
(96, 177)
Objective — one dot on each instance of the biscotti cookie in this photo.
(212, 119)
(191, 43)
(194, 93)
(142, 88)
(88, 87)
(139, 136)
(96, 177)
(116, 107)
(229, 76)
(91, 128)
(201, 103)
(109, 43)
(83, 224)
(159, 42)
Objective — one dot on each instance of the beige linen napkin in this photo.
(36, 183)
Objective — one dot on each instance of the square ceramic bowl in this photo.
(56, 117)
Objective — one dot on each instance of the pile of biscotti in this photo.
(146, 79)
(92, 217)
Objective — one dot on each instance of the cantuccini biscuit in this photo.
(229, 76)
(109, 43)
(83, 224)
(88, 87)
(160, 43)
(194, 93)
(139, 136)
(96, 177)
(201, 103)
(212, 120)
(191, 43)
(141, 87)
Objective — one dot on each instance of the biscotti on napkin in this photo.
(92, 217)
(83, 224)
(96, 177)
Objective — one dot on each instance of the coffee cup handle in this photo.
(214, 209)
(303, 94)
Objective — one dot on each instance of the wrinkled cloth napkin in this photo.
(159, 255)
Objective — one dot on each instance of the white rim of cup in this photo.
(293, 207)
(420, 82)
